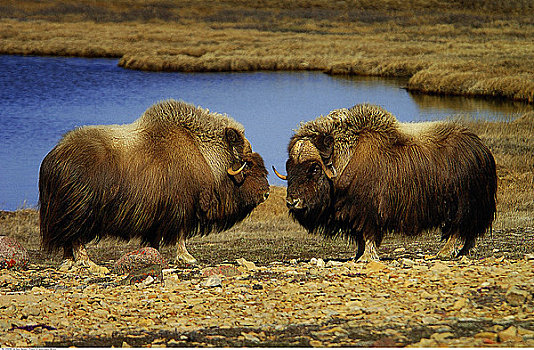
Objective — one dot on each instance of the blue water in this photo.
(41, 98)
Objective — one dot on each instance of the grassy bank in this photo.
(482, 48)
(270, 235)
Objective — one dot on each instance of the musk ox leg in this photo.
(449, 249)
(77, 256)
(370, 253)
(469, 243)
(182, 255)
(360, 247)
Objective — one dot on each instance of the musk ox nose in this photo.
(266, 195)
(293, 203)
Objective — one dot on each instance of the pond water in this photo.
(41, 98)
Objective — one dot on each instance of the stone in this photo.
(250, 337)
(212, 281)
(407, 262)
(465, 260)
(249, 265)
(426, 343)
(525, 332)
(429, 320)
(333, 263)
(139, 259)
(426, 295)
(441, 336)
(529, 256)
(320, 263)
(222, 270)
(375, 266)
(459, 304)
(148, 281)
(509, 334)
(141, 274)
(516, 296)
(487, 335)
(12, 254)
(316, 344)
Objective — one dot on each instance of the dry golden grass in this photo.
(450, 47)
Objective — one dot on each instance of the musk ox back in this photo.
(176, 172)
(359, 173)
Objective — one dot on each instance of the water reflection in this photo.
(43, 97)
(432, 105)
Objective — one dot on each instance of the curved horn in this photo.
(283, 177)
(236, 172)
(329, 173)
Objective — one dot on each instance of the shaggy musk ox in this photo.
(176, 172)
(359, 173)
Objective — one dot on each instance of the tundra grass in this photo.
(474, 48)
(268, 234)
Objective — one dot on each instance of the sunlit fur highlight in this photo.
(161, 178)
(394, 177)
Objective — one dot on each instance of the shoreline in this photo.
(475, 49)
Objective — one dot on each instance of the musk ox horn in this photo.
(238, 171)
(305, 150)
(329, 173)
(283, 177)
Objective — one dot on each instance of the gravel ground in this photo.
(485, 299)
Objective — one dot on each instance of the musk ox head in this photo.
(310, 175)
(250, 179)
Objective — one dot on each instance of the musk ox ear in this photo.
(325, 145)
(235, 140)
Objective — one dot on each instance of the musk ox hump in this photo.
(220, 139)
(337, 134)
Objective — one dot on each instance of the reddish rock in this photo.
(223, 270)
(139, 259)
(12, 254)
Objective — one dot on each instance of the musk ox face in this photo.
(308, 186)
(309, 181)
(251, 181)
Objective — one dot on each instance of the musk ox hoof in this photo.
(368, 258)
(186, 258)
(12, 254)
(66, 265)
(69, 265)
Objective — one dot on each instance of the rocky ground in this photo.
(404, 300)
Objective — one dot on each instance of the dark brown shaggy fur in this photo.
(160, 178)
(390, 179)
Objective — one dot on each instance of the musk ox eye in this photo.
(314, 169)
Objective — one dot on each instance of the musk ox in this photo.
(176, 172)
(359, 173)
